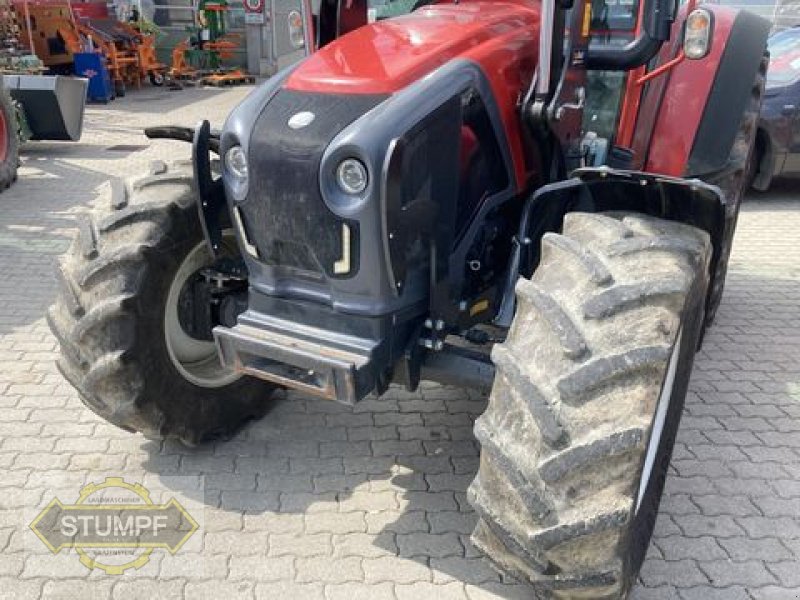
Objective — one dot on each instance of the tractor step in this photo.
(319, 362)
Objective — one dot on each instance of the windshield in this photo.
(784, 63)
(384, 9)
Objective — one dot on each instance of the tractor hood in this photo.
(399, 96)
(387, 56)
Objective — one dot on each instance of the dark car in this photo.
(777, 150)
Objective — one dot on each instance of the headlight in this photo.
(236, 162)
(351, 175)
(236, 167)
(697, 39)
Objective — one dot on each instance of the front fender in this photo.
(602, 189)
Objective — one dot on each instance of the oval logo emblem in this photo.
(301, 119)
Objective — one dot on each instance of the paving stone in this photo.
(21, 589)
(289, 590)
(783, 528)
(397, 448)
(404, 521)
(273, 522)
(393, 570)
(467, 570)
(249, 501)
(455, 521)
(776, 507)
(678, 573)
(142, 590)
(733, 592)
(774, 592)
(679, 548)
(786, 488)
(344, 449)
(261, 568)
(787, 572)
(229, 590)
(662, 592)
(725, 505)
(231, 542)
(365, 545)
(432, 545)
(340, 523)
(449, 481)
(701, 525)
(415, 591)
(429, 501)
(329, 570)
(358, 591)
(497, 591)
(725, 573)
(768, 550)
(363, 500)
(68, 589)
(288, 544)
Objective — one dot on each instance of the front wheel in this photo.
(582, 418)
(157, 78)
(125, 345)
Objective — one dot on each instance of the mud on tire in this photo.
(109, 316)
(614, 308)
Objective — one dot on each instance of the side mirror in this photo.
(658, 16)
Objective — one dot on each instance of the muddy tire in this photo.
(734, 181)
(569, 482)
(117, 309)
(9, 140)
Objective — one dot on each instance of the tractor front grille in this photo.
(284, 213)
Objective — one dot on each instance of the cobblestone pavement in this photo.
(321, 501)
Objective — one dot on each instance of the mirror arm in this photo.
(632, 55)
(659, 16)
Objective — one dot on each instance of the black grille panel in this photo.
(284, 213)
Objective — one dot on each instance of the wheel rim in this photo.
(3, 136)
(662, 409)
(196, 360)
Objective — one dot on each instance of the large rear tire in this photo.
(116, 317)
(590, 384)
(734, 181)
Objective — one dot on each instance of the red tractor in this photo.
(536, 197)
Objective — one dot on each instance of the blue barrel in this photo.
(93, 66)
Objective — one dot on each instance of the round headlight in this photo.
(236, 162)
(351, 175)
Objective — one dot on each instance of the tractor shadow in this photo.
(397, 468)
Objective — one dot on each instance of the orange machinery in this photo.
(57, 34)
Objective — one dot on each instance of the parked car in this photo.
(777, 149)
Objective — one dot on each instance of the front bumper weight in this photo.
(297, 356)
